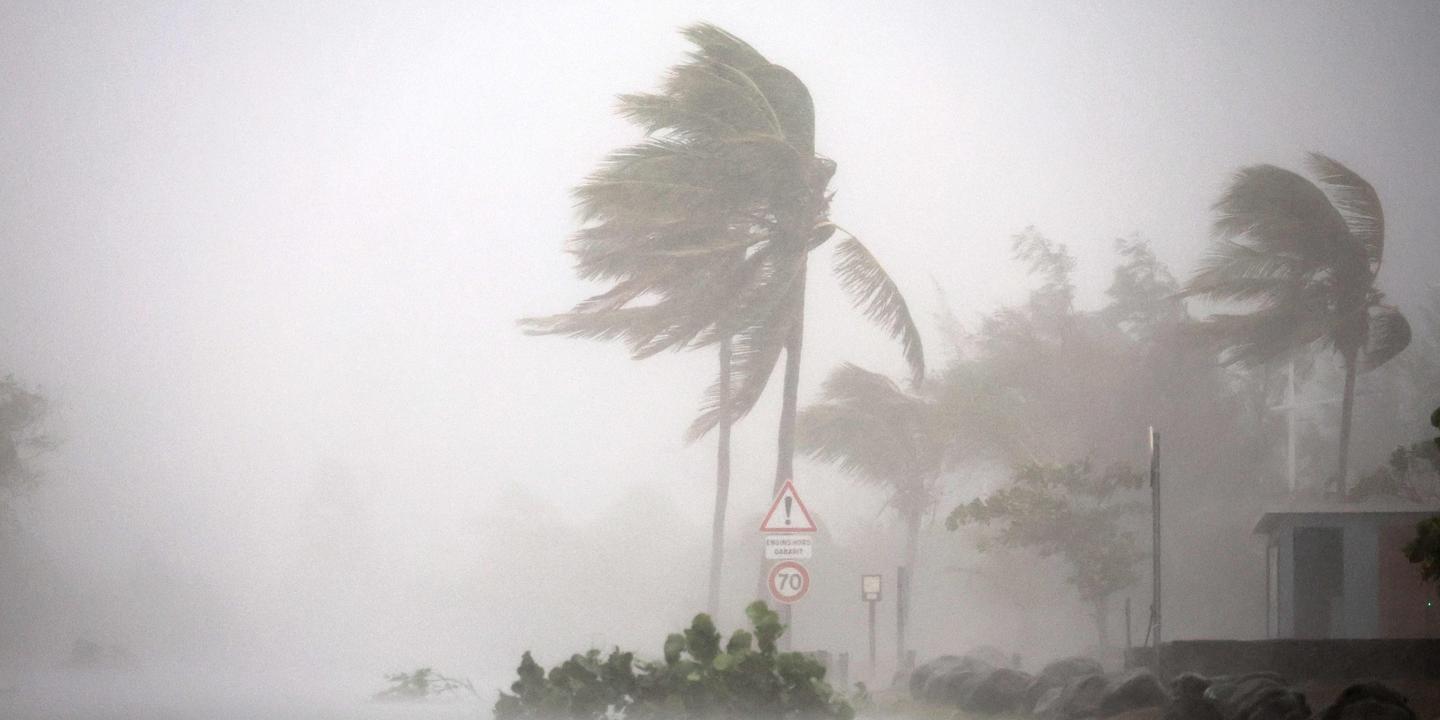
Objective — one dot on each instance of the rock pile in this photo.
(1077, 688)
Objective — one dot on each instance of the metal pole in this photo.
(1155, 616)
(874, 666)
(1269, 631)
(1290, 428)
(902, 599)
(785, 617)
(1128, 642)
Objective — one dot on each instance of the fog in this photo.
(265, 263)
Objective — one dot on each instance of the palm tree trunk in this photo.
(1347, 407)
(1102, 625)
(722, 482)
(790, 399)
(912, 540)
(912, 551)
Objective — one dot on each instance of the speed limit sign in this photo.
(789, 581)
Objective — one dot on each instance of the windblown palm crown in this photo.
(1305, 258)
(705, 228)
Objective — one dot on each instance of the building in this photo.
(1339, 572)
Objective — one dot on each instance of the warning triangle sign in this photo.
(788, 514)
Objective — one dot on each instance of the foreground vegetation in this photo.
(698, 678)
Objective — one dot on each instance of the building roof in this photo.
(1315, 512)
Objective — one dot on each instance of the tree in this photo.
(901, 440)
(1066, 511)
(705, 229)
(881, 435)
(1424, 550)
(1303, 258)
(22, 415)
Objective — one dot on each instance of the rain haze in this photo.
(266, 265)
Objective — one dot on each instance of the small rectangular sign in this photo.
(870, 588)
(789, 547)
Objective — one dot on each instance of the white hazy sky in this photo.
(240, 241)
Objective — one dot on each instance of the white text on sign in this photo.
(789, 547)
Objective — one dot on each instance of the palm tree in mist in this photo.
(902, 440)
(1304, 258)
(705, 229)
(881, 435)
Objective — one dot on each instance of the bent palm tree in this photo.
(1305, 259)
(880, 435)
(705, 230)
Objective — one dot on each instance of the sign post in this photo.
(902, 598)
(870, 592)
(787, 527)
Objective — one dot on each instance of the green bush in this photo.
(697, 678)
(1424, 550)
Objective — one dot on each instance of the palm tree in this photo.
(1304, 258)
(881, 435)
(705, 229)
(903, 441)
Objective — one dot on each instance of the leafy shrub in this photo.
(697, 678)
(1424, 550)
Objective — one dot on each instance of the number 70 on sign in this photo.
(788, 581)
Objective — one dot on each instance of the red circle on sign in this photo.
(789, 581)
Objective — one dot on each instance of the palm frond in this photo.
(668, 113)
(1264, 336)
(712, 44)
(1389, 335)
(871, 289)
(632, 325)
(1358, 203)
(871, 429)
(854, 384)
(755, 350)
(1278, 211)
(617, 250)
(1233, 271)
(724, 299)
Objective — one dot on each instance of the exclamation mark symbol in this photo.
(788, 500)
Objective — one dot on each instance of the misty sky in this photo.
(247, 248)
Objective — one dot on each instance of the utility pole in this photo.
(1155, 616)
(1290, 428)
(902, 601)
(870, 593)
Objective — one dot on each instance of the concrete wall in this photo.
(1361, 599)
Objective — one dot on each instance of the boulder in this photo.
(1080, 698)
(948, 688)
(1059, 672)
(1259, 696)
(1369, 701)
(990, 655)
(1145, 713)
(1188, 701)
(1047, 706)
(1131, 691)
(998, 691)
(922, 674)
(1055, 675)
